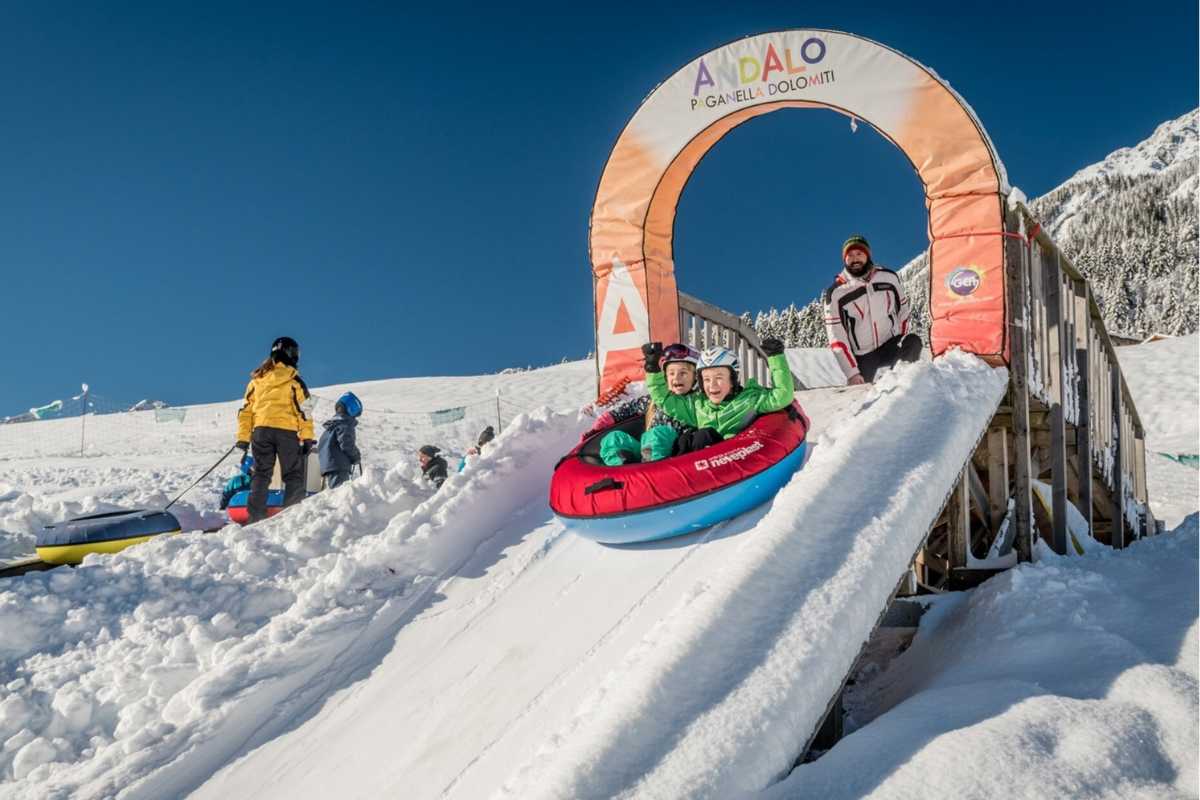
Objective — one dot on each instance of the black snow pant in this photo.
(336, 479)
(897, 348)
(267, 444)
(695, 440)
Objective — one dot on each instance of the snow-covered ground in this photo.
(382, 640)
(1163, 378)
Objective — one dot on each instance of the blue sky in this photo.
(407, 191)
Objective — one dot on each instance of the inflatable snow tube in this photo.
(68, 542)
(681, 494)
(239, 513)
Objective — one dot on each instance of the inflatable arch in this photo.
(633, 218)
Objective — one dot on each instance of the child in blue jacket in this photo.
(338, 447)
(239, 482)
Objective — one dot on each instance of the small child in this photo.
(485, 436)
(433, 466)
(338, 447)
(239, 482)
(723, 406)
(661, 430)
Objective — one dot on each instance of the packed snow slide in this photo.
(547, 665)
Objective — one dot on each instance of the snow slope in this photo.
(651, 671)
(467, 633)
(383, 640)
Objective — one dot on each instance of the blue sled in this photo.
(691, 515)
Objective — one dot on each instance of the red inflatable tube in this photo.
(582, 489)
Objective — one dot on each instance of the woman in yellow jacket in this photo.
(275, 423)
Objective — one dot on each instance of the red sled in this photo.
(673, 496)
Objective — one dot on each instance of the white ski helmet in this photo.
(719, 357)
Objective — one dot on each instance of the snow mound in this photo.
(144, 671)
(1069, 677)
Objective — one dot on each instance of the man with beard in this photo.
(866, 316)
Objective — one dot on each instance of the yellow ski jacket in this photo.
(279, 399)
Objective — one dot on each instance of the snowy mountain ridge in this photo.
(1128, 222)
(1172, 145)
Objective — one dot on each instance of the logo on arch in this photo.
(964, 281)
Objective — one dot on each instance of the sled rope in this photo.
(202, 477)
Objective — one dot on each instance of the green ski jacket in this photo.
(735, 412)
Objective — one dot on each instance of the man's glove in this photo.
(243, 446)
(307, 446)
(652, 352)
(772, 346)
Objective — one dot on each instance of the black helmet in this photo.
(286, 350)
(486, 435)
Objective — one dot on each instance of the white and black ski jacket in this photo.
(863, 313)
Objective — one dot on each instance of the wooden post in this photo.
(1118, 481)
(1016, 275)
(997, 452)
(1083, 425)
(83, 420)
(958, 521)
(1139, 477)
(1058, 431)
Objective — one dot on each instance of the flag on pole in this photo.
(48, 410)
(169, 414)
(447, 415)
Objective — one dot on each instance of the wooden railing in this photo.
(1069, 420)
(1073, 372)
(704, 325)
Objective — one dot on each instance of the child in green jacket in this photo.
(724, 407)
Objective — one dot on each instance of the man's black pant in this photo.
(267, 444)
(897, 348)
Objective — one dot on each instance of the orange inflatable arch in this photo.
(632, 223)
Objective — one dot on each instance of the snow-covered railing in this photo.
(704, 325)
(1068, 421)
(1072, 413)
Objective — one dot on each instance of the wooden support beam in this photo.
(979, 496)
(1101, 502)
(1139, 442)
(1052, 286)
(1118, 481)
(1083, 426)
(1038, 420)
(997, 467)
(1016, 272)
(959, 522)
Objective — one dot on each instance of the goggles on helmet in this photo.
(679, 352)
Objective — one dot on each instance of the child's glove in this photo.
(652, 352)
(772, 346)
